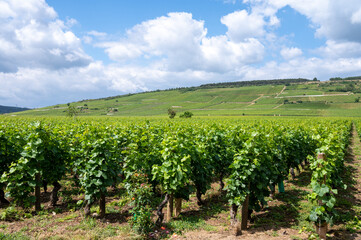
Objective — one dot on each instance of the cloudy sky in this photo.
(59, 51)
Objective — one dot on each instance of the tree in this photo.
(171, 112)
(71, 111)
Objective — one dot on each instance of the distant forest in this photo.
(7, 109)
(347, 78)
(255, 83)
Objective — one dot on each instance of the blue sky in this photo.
(58, 51)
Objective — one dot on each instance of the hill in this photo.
(287, 97)
(7, 109)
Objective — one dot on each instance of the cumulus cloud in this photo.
(332, 19)
(304, 67)
(290, 53)
(242, 25)
(31, 35)
(356, 17)
(93, 81)
(337, 49)
(181, 43)
(220, 54)
(176, 37)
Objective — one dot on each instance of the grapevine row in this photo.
(247, 157)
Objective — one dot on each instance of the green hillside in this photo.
(276, 97)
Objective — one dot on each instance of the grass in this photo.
(69, 217)
(189, 223)
(223, 102)
(13, 236)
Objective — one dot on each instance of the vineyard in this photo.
(333, 98)
(155, 164)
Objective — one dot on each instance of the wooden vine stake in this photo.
(170, 208)
(102, 205)
(37, 193)
(245, 213)
(178, 206)
(321, 228)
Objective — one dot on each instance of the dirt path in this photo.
(325, 95)
(278, 106)
(283, 89)
(255, 100)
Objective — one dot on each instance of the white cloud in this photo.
(290, 53)
(181, 43)
(122, 51)
(97, 34)
(93, 81)
(91, 35)
(71, 22)
(308, 68)
(274, 21)
(242, 25)
(99, 80)
(30, 34)
(356, 17)
(176, 37)
(337, 49)
(220, 54)
(332, 19)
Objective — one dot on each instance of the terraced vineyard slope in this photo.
(310, 98)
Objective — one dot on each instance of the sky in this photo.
(60, 51)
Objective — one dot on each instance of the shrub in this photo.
(186, 115)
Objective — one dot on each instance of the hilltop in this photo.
(290, 97)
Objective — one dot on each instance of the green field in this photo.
(331, 98)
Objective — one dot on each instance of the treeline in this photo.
(7, 109)
(347, 78)
(255, 83)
